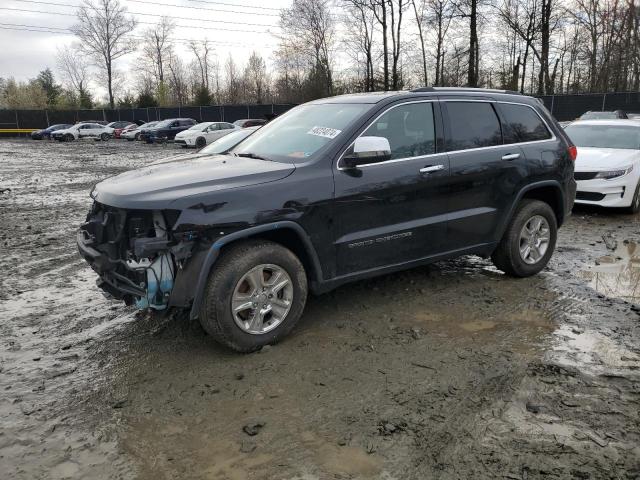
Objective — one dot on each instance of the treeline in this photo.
(327, 47)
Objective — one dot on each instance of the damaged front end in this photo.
(135, 253)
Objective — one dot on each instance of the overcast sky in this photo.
(24, 52)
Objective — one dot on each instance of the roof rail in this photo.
(462, 89)
(423, 89)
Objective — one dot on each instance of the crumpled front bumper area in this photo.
(129, 250)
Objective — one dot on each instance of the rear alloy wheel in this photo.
(529, 240)
(137, 136)
(201, 142)
(635, 203)
(104, 137)
(255, 295)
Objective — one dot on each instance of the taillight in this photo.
(573, 152)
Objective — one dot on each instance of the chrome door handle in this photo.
(511, 156)
(432, 168)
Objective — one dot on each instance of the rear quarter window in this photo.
(523, 124)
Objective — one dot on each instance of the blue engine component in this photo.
(160, 275)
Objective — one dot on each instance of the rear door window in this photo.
(523, 124)
(409, 129)
(472, 125)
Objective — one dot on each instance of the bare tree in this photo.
(203, 52)
(309, 27)
(178, 84)
(102, 28)
(75, 73)
(396, 10)
(359, 39)
(419, 16)
(233, 81)
(157, 48)
(256, 78)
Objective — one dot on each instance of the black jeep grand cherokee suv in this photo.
(333, 191)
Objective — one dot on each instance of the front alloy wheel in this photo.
(255, 295)
(262, 299)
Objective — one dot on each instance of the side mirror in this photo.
(368, 150)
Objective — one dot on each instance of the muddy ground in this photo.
(452, 371)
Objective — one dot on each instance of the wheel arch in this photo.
(548, 191)
(287, 233)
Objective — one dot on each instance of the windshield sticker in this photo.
(326, 132)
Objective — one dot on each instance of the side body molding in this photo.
(214, 252)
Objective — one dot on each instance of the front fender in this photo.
(214, 252)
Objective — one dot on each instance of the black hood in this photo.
(179, 183)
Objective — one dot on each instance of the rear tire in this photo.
(635, 202)
(226, 283)
(511, 256)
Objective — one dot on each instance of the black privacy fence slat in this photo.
(570, 107)
(563, 107)
(26, 119)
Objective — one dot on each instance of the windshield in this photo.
(599, 116)
(301, 132)
(604, 136)
(227, 142)
(200, 126)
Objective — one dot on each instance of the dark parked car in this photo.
(603, 115)
(166, 129)
(46, 132)
(250, 122)
(332, 191)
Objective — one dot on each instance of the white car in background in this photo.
(84, 130)
(134, 134)
(204, 133)
(607, 168)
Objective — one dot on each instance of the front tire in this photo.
(529, 241)
(201, 142)
(255, 295)
(69, 138)
(104, 137)
(635, 202)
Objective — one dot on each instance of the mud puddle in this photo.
(616, 274)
